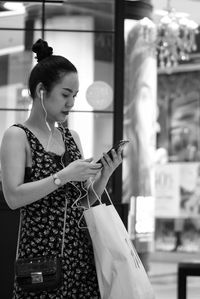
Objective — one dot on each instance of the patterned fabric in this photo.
(42, 225)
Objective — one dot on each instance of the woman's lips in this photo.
(65, 112)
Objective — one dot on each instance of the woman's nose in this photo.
(70, 102)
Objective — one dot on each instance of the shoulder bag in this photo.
(39, 273)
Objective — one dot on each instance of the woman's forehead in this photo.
(70, 82)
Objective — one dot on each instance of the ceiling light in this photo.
(14, 6)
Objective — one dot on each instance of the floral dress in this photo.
(42, 225)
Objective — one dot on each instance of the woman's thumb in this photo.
(88, 160)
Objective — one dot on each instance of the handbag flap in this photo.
(45, 265)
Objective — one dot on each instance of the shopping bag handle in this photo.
(76, 205)
(88, 202)
(98, 197)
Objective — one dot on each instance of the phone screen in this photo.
(116, 147)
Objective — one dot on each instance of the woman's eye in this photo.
(75, 95)
(68, 95)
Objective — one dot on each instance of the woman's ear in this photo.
(40, 90)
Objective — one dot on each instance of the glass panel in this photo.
(14, 97)
(20, 14)
(11, 41)
(95, 131)
(57, 15)
(15, 65)
(93, 60)
(92, 54)
(101, 14)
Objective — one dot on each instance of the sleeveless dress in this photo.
(42, 225)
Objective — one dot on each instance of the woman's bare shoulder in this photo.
(13, 134)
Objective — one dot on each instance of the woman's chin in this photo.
(63, 118)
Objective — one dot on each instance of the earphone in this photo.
(42, 103)
(41, 94)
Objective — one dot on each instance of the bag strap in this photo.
(18, 237)
(64, 226)
(63, 234)
(98, 197)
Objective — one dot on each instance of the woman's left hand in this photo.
(111, 163)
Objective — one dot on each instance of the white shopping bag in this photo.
(120, 272)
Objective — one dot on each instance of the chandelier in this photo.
(173, 37)
(176, 38)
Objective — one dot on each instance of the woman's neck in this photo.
(36, 120)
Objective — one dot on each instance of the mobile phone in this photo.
(116, 147)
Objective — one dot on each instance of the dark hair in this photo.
(49, 69)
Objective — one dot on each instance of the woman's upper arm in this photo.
(13, 159)
(78, 141)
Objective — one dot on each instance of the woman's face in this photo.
(61, 99)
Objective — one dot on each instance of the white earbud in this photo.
(41, 94)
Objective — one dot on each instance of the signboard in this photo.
(177, 190)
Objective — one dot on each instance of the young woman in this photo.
(43, 168)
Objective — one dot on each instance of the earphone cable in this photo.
(45, 118)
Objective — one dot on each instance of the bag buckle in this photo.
(36, 277)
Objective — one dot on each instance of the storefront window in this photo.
(84, 33)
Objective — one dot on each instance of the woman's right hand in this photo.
(80, 170)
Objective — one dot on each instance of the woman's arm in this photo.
(98, 184)
(13, 162)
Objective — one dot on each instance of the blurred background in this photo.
(139, 69)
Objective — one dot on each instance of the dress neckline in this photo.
(48, 152)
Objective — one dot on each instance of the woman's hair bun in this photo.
(42, 49)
